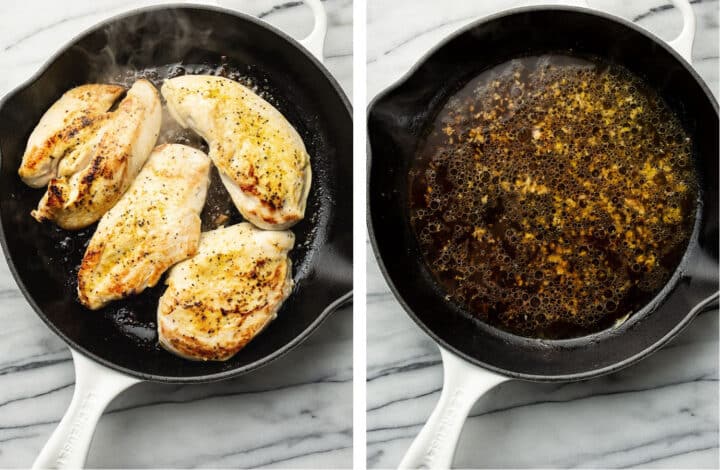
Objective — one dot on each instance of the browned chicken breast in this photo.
(95, 180)
(261, 158)
(153, 226)
(221, 298)
(63, 129)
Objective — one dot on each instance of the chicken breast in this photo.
(63, 129)
(261, 158)
(109, 162)
(221, 298)
(153, 226)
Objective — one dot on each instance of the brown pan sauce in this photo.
(553, 196)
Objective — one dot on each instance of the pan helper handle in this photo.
(683, 43)
(315, 41)
(95, 387)
(464, 383)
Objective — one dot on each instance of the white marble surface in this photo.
(662, 412)
(295, 413)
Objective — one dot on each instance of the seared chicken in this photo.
(221, 298)
(153, 226)
(109, 161)
(63, 129)
(261, 158)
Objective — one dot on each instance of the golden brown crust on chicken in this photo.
(114, 156)
(63, 129)
(220, 299)
(261, 158)
(153, 226)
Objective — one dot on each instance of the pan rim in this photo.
(584, 375)
(340, 301)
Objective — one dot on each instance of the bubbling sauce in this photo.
(553, 196)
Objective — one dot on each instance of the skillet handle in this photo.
(463, 384)
(684, 41)
(95, 387)
(315, 41)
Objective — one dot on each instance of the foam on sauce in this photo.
(553, 196)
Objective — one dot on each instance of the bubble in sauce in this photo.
(553, 195)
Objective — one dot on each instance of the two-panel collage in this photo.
(359, 234)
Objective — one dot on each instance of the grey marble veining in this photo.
(294, 413)
(661, 413)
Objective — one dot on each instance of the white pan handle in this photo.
(464, 383)
(315, 41)
(95, 387)
(684, 41)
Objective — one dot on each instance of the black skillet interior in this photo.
(44, 258)
(397, 121)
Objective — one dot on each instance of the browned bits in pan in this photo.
(554, 195)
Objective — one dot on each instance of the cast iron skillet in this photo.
(43, 258)
(397, 121)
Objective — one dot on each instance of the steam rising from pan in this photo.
(138, 40)
(175, 36)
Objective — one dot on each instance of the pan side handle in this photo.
(95, 387)
(464, 383)
(684, 41)
(315, 41)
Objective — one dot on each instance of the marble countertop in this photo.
(294, 413)
(660, 413)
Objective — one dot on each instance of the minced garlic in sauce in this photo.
(553, 195)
